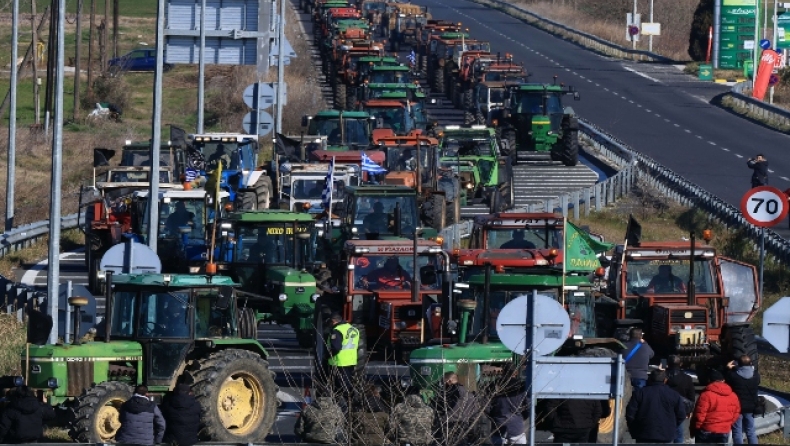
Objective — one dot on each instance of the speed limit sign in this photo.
(764, 206)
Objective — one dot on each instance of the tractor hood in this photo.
(297, 285)
(510, 257)
(428, 364)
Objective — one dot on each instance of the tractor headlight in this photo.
(283, 297)
(52, 383)
(315, 297)
(194, 269)
(470, 186)
(400, 325)
(19, 381)
(101, 275)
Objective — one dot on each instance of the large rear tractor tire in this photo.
(570, 148)
(97, 412)
(351, 100)
(248, 325)
(466, 98)
(509, 135)
(438, 81)
(433, 210)
(469, 118)
(340, 95)
(238, 396)
(246, 201)
(739, 340)
(264, 192)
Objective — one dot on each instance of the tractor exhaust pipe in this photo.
(692, 287)
(397, 216)
(108, 304)
(77, 302)
(485, 318)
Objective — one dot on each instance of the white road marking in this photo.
(688, 131)
(725, 149)
(677, 125)
(642, 74)
(739, 156)
(711, 143)
(785, 178)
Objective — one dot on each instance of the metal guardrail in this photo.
(24, 236)
(587, 40)
(772, 114)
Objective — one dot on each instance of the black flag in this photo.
(633, 233)
(38, 327)
(287, 147)
(178, 137)
(101, 157)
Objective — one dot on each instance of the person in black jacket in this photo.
(508, 407)
(684, 385)
(655, 411)
(759, 165)
(141, 421)
(570, 421)
(181, 412)
(23, 419)
(637, 358)
(744, 381)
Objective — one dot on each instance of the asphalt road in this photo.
(655, 108)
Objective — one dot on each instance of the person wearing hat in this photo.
(716, 411)
(744, 380)
(342, 345)
(654, 412)
(181, 412)
(376, 222)
(759, 166)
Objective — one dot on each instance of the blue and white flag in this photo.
(326, 195)
(369, 166)
(412, 58)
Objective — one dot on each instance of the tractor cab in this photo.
(341, 128)
(374, 212)
(302, 185)
(517, 231)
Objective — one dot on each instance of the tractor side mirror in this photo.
(576, 96)
(428, 275)
(223, 298)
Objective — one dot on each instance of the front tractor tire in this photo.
(246, 201)
(238, 396)
(569, 154)
(96, 413)
(264, 192)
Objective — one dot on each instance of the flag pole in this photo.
(564, 256)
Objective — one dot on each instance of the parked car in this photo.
(142, 59)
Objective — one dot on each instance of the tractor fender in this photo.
(573, 122)
(253, 178)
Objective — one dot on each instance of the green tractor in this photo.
(342, 129)
(212, 346)
(534, 120)
(486, 176)
(271, 253)
(487, 281)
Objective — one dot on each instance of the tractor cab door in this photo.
(165, 328)
(740, 288)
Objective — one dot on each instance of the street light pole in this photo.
(650, 38)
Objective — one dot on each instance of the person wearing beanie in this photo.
(181, 411)
(744, 381)
(655, 411)
(637, 357)
(716, 411)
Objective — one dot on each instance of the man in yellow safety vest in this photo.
(342, 346)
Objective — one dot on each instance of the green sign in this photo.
(738, 2)
(706, 72)
(736, 26)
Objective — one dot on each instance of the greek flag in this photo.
(412, 58)
(369, 166)
(326, 195)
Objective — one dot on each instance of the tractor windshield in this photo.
(390, 118)
(355, 131)
(669, 276)
(496, 95)
(389, 77)
(229, 153)
(532, 103)
(309, 189)
(466, 147)
(404, 158)
(418, 112)
(142, 157)
(151, 314)
(520, 238)
(376, 215)
(394, 272)
(136, 176)
(274, 244)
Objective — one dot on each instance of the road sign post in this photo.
(764, 206)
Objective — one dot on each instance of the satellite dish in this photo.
(554, 325)
(131, 258)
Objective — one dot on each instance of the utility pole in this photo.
(278, 126)
(52, 40)
(650, 38)
(90, 49)
(115, 7)
(34, 45)
(10, 183)
(633, 38)
(105, 40)
(156, 129)
(77, 55)
(756, 55)
(201, 67)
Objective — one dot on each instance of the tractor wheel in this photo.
(509, 135)
(738, 340)
(248, 326)
(246, 201)
(340, 95)
(263, 192)
(93, 262)
(479, 118)
(433, 210)
(96, 412)
(438, 81)
(570, 148)
(606, 425)
(509, 200)
(495, 202)
(351, 100)
(238, 396)
(469, 118)
(467, 98)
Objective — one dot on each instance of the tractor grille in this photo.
(409, 313)
(695, 316)
(79, 376)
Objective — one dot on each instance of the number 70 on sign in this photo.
(764, 206)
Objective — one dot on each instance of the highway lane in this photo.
(654, 108)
